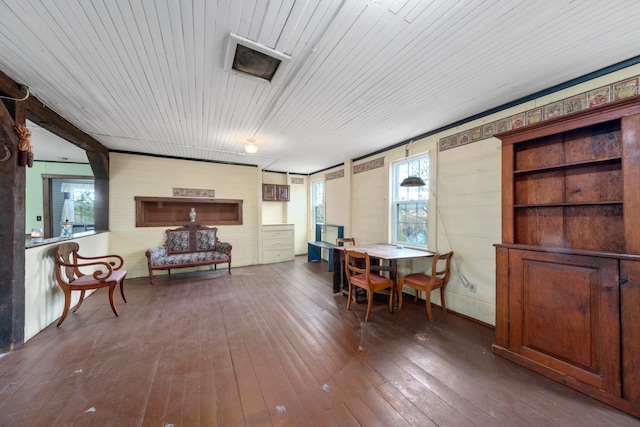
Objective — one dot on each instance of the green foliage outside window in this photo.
(83, 207)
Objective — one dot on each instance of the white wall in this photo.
(298, 209)
(469, 223)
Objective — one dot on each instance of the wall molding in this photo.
(334, 175)
(609, 93)
(370, 165)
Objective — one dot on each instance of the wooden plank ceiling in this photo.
(148, 76)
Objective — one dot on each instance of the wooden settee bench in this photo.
(189, 246)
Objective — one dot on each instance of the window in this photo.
(83, 204)
(410, 205)
(77, 203)
(317, 201)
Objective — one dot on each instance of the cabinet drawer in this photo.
(270, 256)
(278, 243)
(275, 234)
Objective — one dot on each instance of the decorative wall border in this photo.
(613, 92)
(334, 175)
(296, 180)
(370, 165)
(193, 192)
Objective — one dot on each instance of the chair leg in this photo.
(350, 296)
(369, 305)
(112, 289)
(122, 290)
(400, 297)
(443, 304)
(427, 298)
(67, 303)
(77, 306)
(391, 300)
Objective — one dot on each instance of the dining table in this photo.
(386, 257)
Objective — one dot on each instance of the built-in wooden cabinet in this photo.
(278, 243)
(568, 267)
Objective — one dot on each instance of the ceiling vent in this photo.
(254, 60)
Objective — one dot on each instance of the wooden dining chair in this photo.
(358, 269)
(75, 272)
(438, 277)
(342, 241)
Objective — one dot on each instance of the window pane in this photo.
(318, 202)
(83, 207)
(412, 223)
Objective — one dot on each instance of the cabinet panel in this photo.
(540, 188)
(630, 329)
(559, 304)
(601, 183)
(596, 228)
(542, 226)
(540, 153)
(599, 141)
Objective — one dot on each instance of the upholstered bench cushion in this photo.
(159, 257)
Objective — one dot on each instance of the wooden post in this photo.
(12, 223)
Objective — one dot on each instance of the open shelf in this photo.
(163, 211)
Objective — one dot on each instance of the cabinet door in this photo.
(564, 314)
(630, 321)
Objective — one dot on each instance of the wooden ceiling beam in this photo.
(9, 87)
(43, 116)
(48, 119)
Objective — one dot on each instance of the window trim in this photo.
(394, 184)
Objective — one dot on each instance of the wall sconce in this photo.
(250, 147)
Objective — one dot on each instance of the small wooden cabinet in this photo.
(277, 243)
(568, 267)
(275, 193)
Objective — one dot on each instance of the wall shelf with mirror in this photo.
(163, 211)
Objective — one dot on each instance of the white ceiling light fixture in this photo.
(250, 147)
(255, 61)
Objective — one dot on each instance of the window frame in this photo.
(399, 170)
(313, 203)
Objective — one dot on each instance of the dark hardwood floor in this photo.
(272, 345)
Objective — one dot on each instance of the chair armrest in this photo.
(224, 247)
(156, 253)
(116, 261)
(98, 274)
